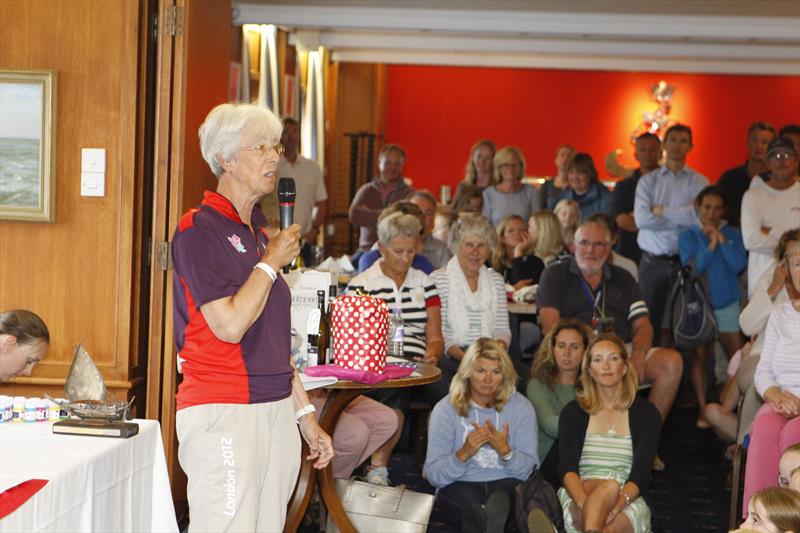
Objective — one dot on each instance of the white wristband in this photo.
(303, 411)
(508, 456)
(268, 270)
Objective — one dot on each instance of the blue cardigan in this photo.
(721, 267)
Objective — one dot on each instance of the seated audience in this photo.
(770, 209)
(789, 468)
(394, 280)
(648, 153)
(775, 288)
(473, 297)
(512, 241)
(480, 168)
(584, 187)
(468, 198)
(615, 258)
(434, 250)
(366, 429)
(569, 216)
(384, 190)
(481, 441)
(24, 340)
(716, 252)
(777, 380)
(721, 416)
(508, 195)
(607, 440)
(734, 182)
(545, 242)
(552, 188)
(607, 297)
(420, 261)
(773, 510)
(552, 385)
(442, 222)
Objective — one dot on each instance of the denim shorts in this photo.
(728, 318)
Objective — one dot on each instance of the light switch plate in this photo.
(93, 160)
(93, 184)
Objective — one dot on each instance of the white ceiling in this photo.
(713, 36)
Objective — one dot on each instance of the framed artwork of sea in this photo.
(27, 145)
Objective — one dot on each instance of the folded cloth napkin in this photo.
(15, 496)
(361, 376)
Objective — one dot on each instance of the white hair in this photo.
(398, 224)
(470, 224)
(221, 133)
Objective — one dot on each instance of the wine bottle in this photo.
(396, 333)
(323, 333)
(332, 290)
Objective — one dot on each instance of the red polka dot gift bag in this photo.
(360, 325)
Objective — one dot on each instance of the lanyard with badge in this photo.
(598, 310)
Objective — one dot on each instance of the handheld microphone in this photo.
(286, 196)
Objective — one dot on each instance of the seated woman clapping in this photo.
(481, 441)
(607, 441)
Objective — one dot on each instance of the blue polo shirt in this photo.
(214, 253)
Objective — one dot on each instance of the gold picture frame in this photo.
(28, 145)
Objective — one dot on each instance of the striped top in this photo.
(415, 296)
(779, 365)
(606, 457)
(500, 329)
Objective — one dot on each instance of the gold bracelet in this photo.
(627, 498)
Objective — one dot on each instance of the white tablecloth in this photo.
(95, 483)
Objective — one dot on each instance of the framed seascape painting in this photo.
(27, 145)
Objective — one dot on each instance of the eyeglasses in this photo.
(263, 149)
(597, 244)
(782, 155)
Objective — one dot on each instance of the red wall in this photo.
(437, 113)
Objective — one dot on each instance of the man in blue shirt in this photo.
(663, 208)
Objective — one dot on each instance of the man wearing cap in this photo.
(734, 182)
(771, 209)
(664, 207)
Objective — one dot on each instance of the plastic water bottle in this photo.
(396, 333)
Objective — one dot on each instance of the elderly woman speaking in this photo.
(473, 297)
(240, 396)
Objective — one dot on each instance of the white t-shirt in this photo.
(309, 186)
(765, 207)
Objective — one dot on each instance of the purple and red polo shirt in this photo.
(213, 253)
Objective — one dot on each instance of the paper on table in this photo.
(316, 382)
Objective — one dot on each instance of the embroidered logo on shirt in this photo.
(237, 243)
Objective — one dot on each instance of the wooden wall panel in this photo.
(77, 273)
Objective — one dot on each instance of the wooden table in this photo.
(521, 308)
(341, 394)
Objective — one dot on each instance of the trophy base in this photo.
(96, 428)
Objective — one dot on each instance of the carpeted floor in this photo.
(688, 496)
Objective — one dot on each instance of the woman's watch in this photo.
(508, 456)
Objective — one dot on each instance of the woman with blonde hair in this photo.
(480, 170)
(508, 195)
(512, 244)
(546, 240)
(774, 510)
(481, 441)
(568, 213)
(607, 439)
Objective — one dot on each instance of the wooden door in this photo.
(192, 78)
